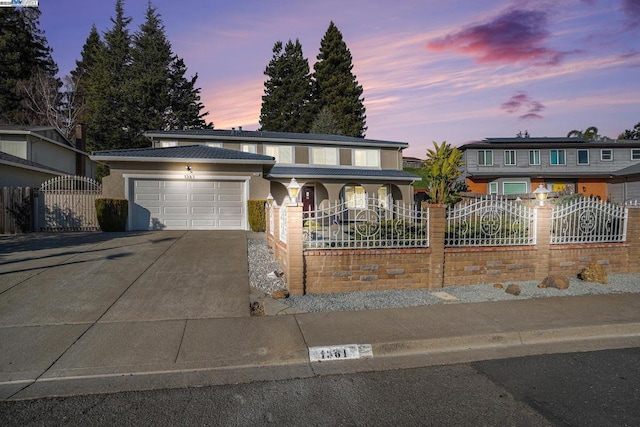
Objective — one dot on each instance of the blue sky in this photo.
(432, 70)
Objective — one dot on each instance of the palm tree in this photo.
(442, 169)
(589, 133)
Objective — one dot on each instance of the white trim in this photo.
(129, 177)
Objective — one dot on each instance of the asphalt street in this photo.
(575, 389)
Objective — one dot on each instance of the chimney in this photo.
(240, 128)
(80, 142)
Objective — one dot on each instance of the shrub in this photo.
(112, 214)
(257, 220)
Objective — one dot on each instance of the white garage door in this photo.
(163, 204)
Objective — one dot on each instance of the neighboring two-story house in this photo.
(503, 166)
(202, 179)
(30, 155)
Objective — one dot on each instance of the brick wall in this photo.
(474, 266)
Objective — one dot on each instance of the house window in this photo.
(282, 153)
(534, 157)
(635, 154)
(583, 157)
(557, 157)
(164, 144)
(514, 187)
(15, 148)
(213, 144)
(366, 158)
(493, 188)
(384, 197)
(249, 148)
(606, 155)
(485, 157)
(509, 157)
(355, 197)
(324, 156)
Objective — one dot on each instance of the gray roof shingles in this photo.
(184, 152)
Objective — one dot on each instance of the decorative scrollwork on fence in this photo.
(588, 221)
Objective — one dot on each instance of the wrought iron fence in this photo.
(588, 220)
(283, 223)
(368, 222)
(490, 221)
(68, 204)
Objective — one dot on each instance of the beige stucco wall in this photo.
(53, 156)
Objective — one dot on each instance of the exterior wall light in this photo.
(293, 189)
(541, 194)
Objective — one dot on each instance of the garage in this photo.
(187, 204)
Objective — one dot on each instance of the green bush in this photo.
(112, 214)
(257, 220)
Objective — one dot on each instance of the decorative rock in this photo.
(555, 281)
(257, 309)
(513, 290)
(280, 294)
(594, 272)
(498, 286)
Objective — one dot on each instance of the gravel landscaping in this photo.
(261, 263)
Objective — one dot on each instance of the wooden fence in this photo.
(18, 206)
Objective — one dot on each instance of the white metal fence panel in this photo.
(490, 222)
(67, 203)
(588, 220)
(283, 223)
(271, 218)
(365, 223)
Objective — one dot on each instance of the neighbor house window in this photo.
(485, 157)
(15, 148)
(493, 188)
(514, 188)
(324, 156)
(164, 144)
(366, 158)
(509, 157)
(213, 144)
(249, 148)
(635, 154)
(557, 157)
(534, 157)
(282, 153)
(606, 155)
(583, 157)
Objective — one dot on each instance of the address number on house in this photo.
(340, 352)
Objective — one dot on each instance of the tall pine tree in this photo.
(25, 63)
(336, 87)
(287, 100)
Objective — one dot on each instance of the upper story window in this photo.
(606, 155)
(557, 157)
(583, 157)
(534, 157)
(249, 148)
(324, 156)
(366, 158)
(213, 144)
(509, 157)
(15, 148)
(485, 157)
(635, 154)
(164, 144)
(282, 153)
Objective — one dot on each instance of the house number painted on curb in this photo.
(340, 352)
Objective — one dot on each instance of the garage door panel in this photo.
(183, 205)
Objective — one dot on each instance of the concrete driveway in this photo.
(104, 287)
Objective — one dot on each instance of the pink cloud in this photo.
(515, 36)
(522, 101)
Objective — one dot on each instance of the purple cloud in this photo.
(515, 36)
(521, 101)
(631, 8)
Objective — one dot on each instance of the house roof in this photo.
(194, 153)
(561, 142)
(10, 160)
(340, 173)
(39, 132)
(629, 170)
(273, 137)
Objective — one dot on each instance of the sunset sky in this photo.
(432, 70)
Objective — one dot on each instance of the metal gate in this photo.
(67, 203)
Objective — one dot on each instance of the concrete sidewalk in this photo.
(107, 313)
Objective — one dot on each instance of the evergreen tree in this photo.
(336, 87)
(185, 107)
(25, 63)
(286, 103)
(631, 133)
(92, 51)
